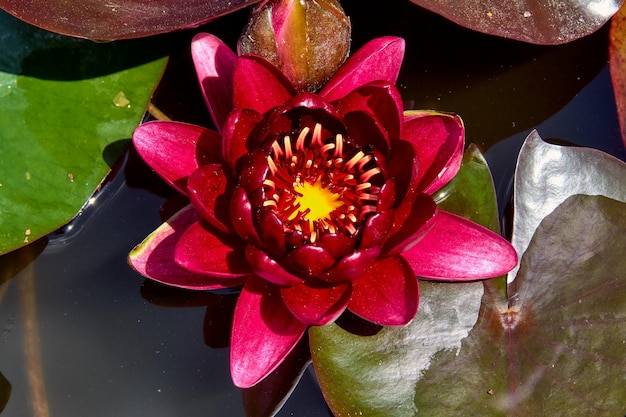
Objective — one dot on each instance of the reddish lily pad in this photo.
(67, 108)
(617, 62)
(545, 23)
(5, 391)
(119, 19)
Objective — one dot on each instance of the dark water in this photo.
(80, 328)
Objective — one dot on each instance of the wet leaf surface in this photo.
(546, 23)
(559, 349)
(122, 19)
(67, 110)
(548, 174)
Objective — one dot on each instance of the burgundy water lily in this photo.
(315, 203)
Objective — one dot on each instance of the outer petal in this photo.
(456, 249)
(175, 150)
(438, 139)
(259, 85)
(215, 66)
(264, 332)
(154, 257)
(379, 59)
(209, 192)
(316, 306)
(387, 294)
(212, 253)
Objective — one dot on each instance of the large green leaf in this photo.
(375, 375)
(541, 22)
(63, 121)
(119, 19)
(559, 349)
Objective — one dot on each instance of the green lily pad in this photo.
(559, 349)
(375, 375)
(67, 108)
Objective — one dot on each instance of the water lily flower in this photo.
(314, 203)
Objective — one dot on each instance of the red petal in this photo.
(215, 66)
(382, 104)
(457, 249)
(387, 294)
(209, 192)
(212, 253)
(268, 269)
(259, 85)
(410, 223)
(438, 140)
(154, 257)
(264, 332)
(175, 150)
(241, 216)
(272, 232)
(316, 306)
(237, 132)
(309, 260)
(379, 59)
(376, 228)
(352, 266)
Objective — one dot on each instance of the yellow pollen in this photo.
(315, 199)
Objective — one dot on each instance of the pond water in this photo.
(82, 334)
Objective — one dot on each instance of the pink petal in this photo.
(264, 332)
(154, 257)
(379, 59)
(236, 134)
(215, 66)
(438, 139)
(259, 85)
(268, 269)
(175, 150)
(211, 252)
(387, 294)
(316, 306)
(456, 249)
(209, 192)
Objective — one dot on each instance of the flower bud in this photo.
(307, 40)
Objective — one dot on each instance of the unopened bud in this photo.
(307, 40)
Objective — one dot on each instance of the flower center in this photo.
(321, 186)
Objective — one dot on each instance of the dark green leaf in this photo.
(546, 23)
(559, 349)
(119, 19)
(63, 121)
